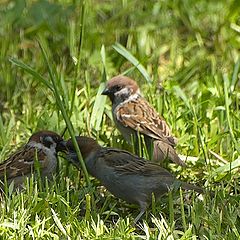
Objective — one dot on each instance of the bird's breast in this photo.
(125, 131)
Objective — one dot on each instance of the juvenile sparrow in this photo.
(42, 147)
(133, 115)
(125, 175)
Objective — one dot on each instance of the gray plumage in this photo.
(125, 175)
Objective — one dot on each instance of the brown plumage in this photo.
(125, 175)
(133, 115)
(20, 164)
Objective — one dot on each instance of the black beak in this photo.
(61, 146)
(106, 91)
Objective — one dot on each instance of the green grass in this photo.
(185, 57)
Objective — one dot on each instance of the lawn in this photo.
(56, 57)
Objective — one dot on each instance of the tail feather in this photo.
(188, 186)
(163, 151)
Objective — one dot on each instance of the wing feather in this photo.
(21, 162)
(142, 117)
(126, 163)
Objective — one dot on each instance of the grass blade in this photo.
(227, 103)
(179, 92)
(98, 109)
(31, 71)
(58, 222)
(228, 167)
(64, 113)
(235, 75)
(125, 53)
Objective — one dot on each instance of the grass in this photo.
(185, 57)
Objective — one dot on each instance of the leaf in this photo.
(235, 75)
(125, 53)
(31, 71)
(228, 167)
(98, 108)
(15, 12)
(58, 222)
(179, 92)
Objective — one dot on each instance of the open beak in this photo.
(106, 91)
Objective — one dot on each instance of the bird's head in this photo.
(49, 139)
(86, 145)
(120, 88)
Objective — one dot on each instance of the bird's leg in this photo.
(142, 211)
(139, 216)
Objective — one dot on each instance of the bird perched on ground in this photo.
(134, 116)
(42, 148)
(125, 175)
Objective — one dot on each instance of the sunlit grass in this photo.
(185, 57)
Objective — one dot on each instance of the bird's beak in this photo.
(106, 91)
(61, 146)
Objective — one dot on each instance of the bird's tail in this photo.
(163, 151)
(188, 186)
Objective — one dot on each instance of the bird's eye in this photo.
(118, 88)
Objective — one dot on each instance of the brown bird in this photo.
(21, 164)
(125, 175)
(133, 115)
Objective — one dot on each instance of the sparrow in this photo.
(42, 147)
(126, 176)
(134, 116)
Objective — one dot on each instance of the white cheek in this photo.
(122, 92)
(50, 151)
(53, 147)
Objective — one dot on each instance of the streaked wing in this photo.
(124, 162)
(21, 162)
(141, 117)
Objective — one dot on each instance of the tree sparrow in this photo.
(133, 115)
(125, 175)
(21, 164)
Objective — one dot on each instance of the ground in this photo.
(55, 59)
